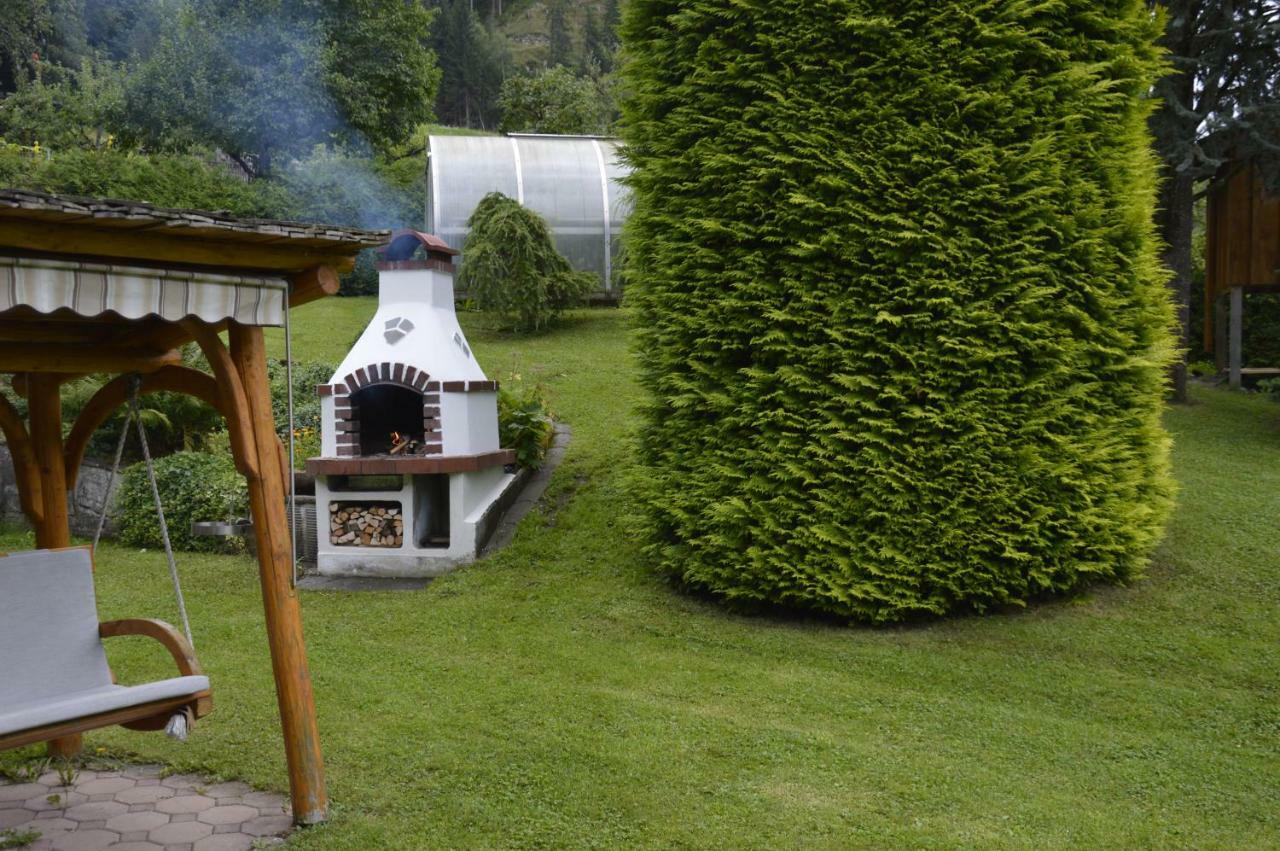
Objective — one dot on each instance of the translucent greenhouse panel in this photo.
(570, 181)
(619, 206)
(461, 171)
(562, 184)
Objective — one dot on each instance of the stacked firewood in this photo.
(365, 525)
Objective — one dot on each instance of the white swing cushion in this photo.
(52, 664)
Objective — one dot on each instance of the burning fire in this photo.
(402, 444)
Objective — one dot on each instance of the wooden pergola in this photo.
(92, 286)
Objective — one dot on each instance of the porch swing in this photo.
(63, 685)
(102, 286)
(60, 684)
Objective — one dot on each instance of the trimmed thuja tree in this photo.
(901, 316)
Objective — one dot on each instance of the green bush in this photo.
(1270, 387)
(169, 180)
(511, 267)
(900, 312)
(306, 405)
(1261, 330)
(525, 424)
(193, 486)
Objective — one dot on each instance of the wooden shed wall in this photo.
(1243, 239)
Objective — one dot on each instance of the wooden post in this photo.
(52, 530)
(1220, 305)
(26, 472)
(45, 413)
(279, 597)
(1236, 337)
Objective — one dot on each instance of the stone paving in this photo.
(136, 808)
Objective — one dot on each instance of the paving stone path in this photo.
(136, 808)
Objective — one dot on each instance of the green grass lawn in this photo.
(560, 695)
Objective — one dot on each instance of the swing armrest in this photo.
(175, 642)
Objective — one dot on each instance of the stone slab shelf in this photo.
(416, 465)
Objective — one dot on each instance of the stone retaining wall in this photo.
(83, 506)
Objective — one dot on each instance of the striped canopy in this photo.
(133, 292)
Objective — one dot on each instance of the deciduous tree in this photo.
(552, 101)
(260, 79)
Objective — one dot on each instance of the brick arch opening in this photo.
(377, 399)
(384, 411)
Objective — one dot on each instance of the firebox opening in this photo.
(431, 510)
(341, 484)
(384, 410)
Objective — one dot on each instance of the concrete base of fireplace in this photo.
(388, 566)
(475, 499)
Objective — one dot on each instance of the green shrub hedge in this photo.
(900, 314)
(169, 180)
(193, 486)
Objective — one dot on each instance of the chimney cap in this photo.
(406, 242)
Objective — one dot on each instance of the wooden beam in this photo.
(184, 656)
(71, 358)
(169, 335)
(316, 282)
(161, 246)
(45, 415)
(113, 394)
(69, 731)
(25, 331)
(234, 407)
(1235, 338)
(23, 324)
(26, 472)
(280, 599)
(1220, 306)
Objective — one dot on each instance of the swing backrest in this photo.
(49, 644)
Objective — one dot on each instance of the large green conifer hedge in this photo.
(900, 310)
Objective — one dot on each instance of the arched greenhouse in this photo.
(574, 182)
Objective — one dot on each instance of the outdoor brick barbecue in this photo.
(411, 471)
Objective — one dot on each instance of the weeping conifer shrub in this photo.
(511, 267)
(900, 315)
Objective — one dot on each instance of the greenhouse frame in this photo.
(573, 182)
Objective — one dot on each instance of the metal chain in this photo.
(111, 480)
(134, 383)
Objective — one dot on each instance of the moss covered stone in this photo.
(901, 316)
